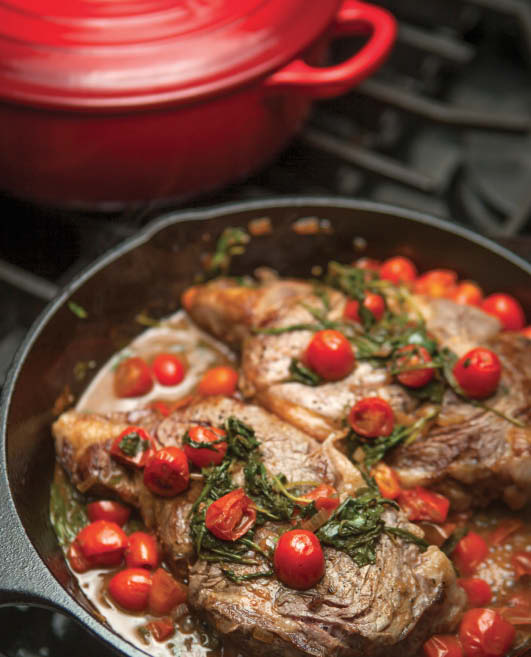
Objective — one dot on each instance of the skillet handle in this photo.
(354, 17)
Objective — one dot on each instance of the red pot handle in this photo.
(354, 17)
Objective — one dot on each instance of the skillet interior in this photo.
(149, 273)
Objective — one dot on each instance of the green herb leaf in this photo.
(271, 503)
(408, 537)
(302, 374)
(240, 438)
(132, 443)
(67, 509)
(240, 579)
(200, 445)
(451, 542)
(78, 310)
(231, 242)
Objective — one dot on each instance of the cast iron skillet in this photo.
(148, 273)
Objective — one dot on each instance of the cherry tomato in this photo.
(298, 559)
(102, 543)
(77, 561)
(372, 417)
(442, 645)
(330, 354)
(142, 551)
(130, 588)
(412, 357)
(477, 591)
(470, 552)
(203, 457)
(231, 516)
(478, 372)
(161, 629)
(324, 496)
(398, 270)
(526, 332)
(132, 378)
(134, 446)
(108, 510)
(437, 283)
(161, 407)
(373, 302)
(521, 562)
(507, 309)
(188, 297)
(422, 504)
(166, 472)
(168, 369)
(220, 380)
(166, 593)
(387, 481)
(468, 293)
(368, 264)
(484, 633)
(504, 530)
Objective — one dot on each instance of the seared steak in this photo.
(393, 604)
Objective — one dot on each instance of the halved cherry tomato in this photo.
(132, 378)
(521, 562)
(324, 496)
(484, 633)
(504, 530)
(330, 354)
(161, 629)
(231, 516)
(298, 559)
(166, 593)
(442, 645)
(161, 407)
(398, 270)
(108, 510)
(470, 552)
(102, 543)
(412, 357)
(507, 309)
(369, 264)
(133, 446)
(168, 369)
(166, 472)
(437, 283)
(205, 456)
(130, 588)
(526, 332)
(77, 561)
(387, 481)
(468, 293)
(478, 372)
(422, 504)
(477, 591)
(142, 551)
(220, 380)
(372, 417)
(373, 302)
(188, 296)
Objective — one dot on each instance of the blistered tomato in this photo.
(468, 293)
(213, 452)
(231, 516)
(408, 362)
(324, 497)
(437, 283)
(373, 302)
(102, 543)
(422, 504)
(521, 562)
(142, 551)
(168, 369)
(386, 480)
(477, 591)
(166, 472)
(478, 372)
(442, 645)
(299, 559)
(130, 588)
(484, 633)
(470, 552)
(161, 629)
(133, 446)
(507, 309)
(372, 417)
(220, 380)
(165, 593)
(108, 510)
(132, 378)
(398, 270)
(330, 354)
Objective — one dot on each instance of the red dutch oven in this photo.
(117, 102)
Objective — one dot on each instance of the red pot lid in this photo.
(123, 53)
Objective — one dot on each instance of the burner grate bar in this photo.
(441, 112)
(520, 10)
(370, 161)
(437, 44)
(27, 282)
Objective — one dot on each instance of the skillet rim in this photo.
(58, 598)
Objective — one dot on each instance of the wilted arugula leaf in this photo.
(241, 438)
(271, 503)
(302, 374)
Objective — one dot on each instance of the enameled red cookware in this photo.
(117, 102)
